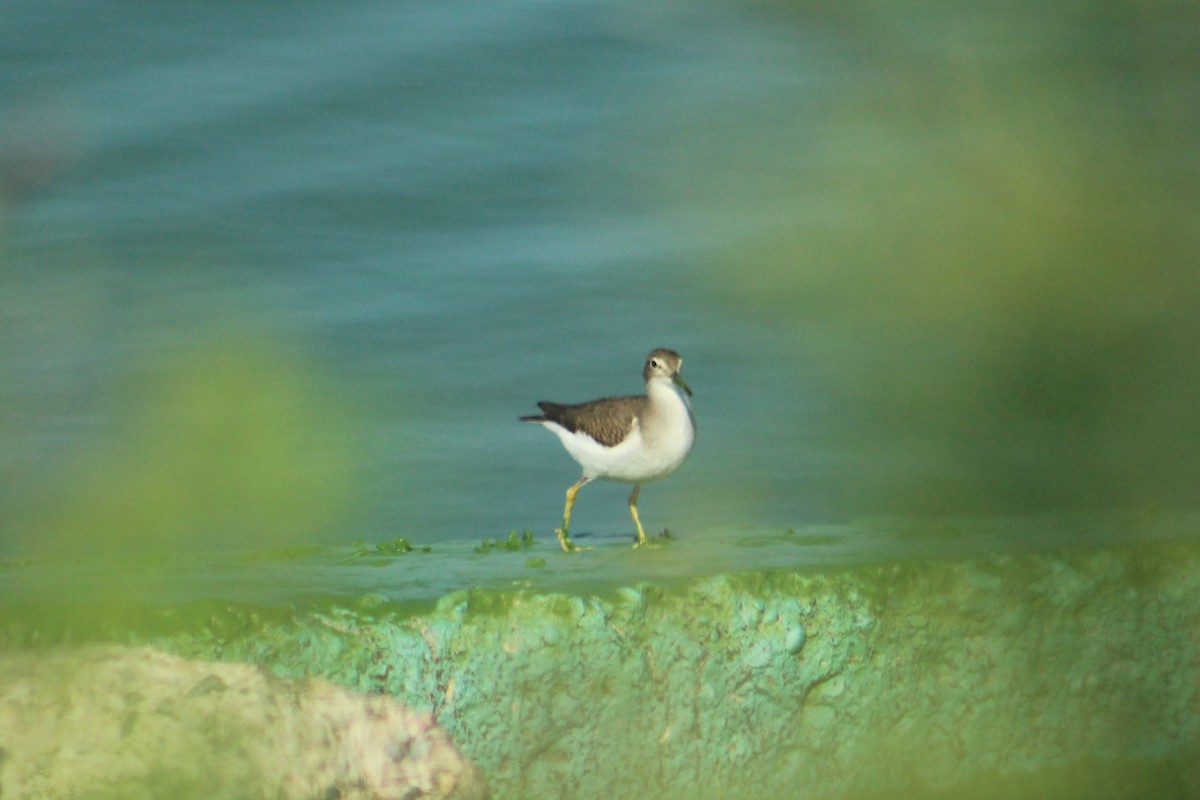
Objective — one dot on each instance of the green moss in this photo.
(515, 541)
(489, 602)
(395, 546)
(907, 677)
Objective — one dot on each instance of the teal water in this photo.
(285, 275)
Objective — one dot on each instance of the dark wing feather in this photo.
(607, 420)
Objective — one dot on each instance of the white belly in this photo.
(638, 458)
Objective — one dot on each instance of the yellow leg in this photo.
(564, 537)
(641, 536)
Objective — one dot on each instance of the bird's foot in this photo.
(565, 542)
(658, 541)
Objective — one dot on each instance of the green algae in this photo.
(395, 546)
(917, 676)
(515, 541)
(913, 677)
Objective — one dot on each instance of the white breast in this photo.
(652, 450)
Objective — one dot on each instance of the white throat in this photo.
(669, 416)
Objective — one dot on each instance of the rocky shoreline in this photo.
(1058, 675)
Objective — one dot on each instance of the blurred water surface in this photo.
(287, 273)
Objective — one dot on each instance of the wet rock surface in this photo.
(1069, 674)
(934, 678)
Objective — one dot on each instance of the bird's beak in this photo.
(681, 383)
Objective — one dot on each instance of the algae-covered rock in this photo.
(1060, 675)
(110, 722)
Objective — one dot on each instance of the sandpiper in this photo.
(630, 439)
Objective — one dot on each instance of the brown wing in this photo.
(607, 420)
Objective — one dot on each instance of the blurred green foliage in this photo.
(223, 440)
(226, 442)
(979, 232)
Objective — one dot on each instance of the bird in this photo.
(632, 439)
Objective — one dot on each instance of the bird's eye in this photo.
(653, 363)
